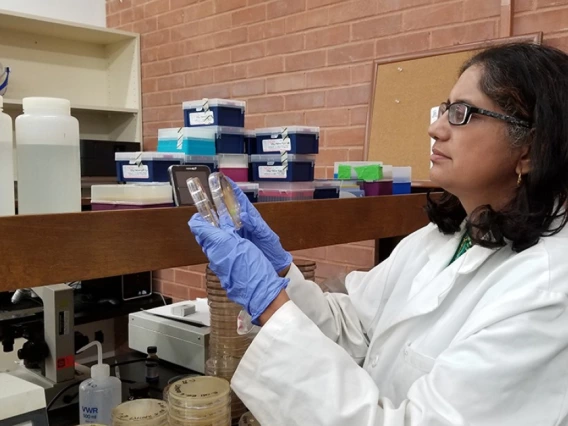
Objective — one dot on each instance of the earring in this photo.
(519, 179)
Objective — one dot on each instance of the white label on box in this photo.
(276, 145)
(272, 172)
(433, 118)
(135, 172)
(200, 118)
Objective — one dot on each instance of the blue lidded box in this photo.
(292, 139)
(145, 166)
(229, 140)
(218, 112)
(326, 189)
(250, 142)
(210, 161)
(188, 140)
(270, 167)
(402, 180)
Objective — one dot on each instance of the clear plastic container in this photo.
(141, 195)
(293, 139)
(210, 161)
(224, 198)
(141, 412)
(201, 201)
(48, 157)
(250, 189)
(208, 112)
(147, 166)
(284, 191)
(7, 201)
(235, 166)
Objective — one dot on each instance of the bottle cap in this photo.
(152, 349)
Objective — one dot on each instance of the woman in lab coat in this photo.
(466, 323)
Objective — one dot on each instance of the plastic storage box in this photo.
(235, 166)
(131, 196)
(219, 112)
(229, 140)
(282, 191)
(210, 161)
(187, 140)
(269, 167)
(250, 190)
(325, 189)
(402, 180)
(344, 168)
(250, 142)
(293, 139)
(145, 166)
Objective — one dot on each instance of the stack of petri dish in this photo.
(200, 401)
(226, 346)
(141, 412)
(307, 268)
(248, 420)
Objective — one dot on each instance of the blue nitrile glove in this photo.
(245, 273)
(259, 233)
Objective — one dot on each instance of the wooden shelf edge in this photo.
(17, 103)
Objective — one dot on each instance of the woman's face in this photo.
(476, 161)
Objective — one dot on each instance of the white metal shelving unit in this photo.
(97, 69)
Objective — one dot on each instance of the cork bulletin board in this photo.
(406, 88)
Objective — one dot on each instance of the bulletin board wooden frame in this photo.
(406, 87)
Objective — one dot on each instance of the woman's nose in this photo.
(440, 129)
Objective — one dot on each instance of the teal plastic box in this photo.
(188, 140)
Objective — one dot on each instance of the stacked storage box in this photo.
(373, 178)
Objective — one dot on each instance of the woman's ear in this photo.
(524, 163)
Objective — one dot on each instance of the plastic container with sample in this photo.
(188, 140)
(148, 166)
(210, 161)
(131, 196)
(250, 142)
(292, 139)
(270, 167)
(229, 140)
(250, 189)
(214, 112)
(326, 189)
(285, 191)
(234, 166)
(402, 180)
(141, 412)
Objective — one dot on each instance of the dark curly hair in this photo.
(530, 82)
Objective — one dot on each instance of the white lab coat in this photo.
(483, 341)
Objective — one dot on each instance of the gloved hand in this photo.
(245, 273)
(256, 230)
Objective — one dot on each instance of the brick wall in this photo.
(299, 62)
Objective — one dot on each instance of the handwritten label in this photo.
(276, 145)
(272, 172)
(201, 118)
(135, 172)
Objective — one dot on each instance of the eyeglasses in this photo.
(459, 114)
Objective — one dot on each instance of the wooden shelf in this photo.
(47, 249)
(17, 104)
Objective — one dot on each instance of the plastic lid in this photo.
(214, 103)
(402, 174)
(139, 411)
(99, 371)
(248, 186)
(387, 173)
(149, 156)
(276, 158)
(199, 391)
(289, 129)
(224, 198)
(327, 183)
(201, 159)
(206, 132)
(250, 133)
(50, 105)
(227, 130)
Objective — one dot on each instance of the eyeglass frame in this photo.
(470, 110)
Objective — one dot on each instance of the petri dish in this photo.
(166, 390)
(201, 201)
(224, 198)
(141, 412)
(199, 392)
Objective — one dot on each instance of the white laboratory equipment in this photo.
(49, 164)
(6, 164)
(22, 402)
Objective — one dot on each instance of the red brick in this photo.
(463, 34)
(191, 279)
(377, 27)
(551, 20)
(156, 286)
(351, 53)
(172, 50)
(156, 7)
(231, 37)
(305, 100)
(402, 44)
(305, 61)
(352, 10)
(155, 69)
(150, 144)
(265, 104)
(180, 96)
(266, 30)
(279, 8)
(199, 44)
(327, 156)
(331, 36)
(177, 4)
(394, 5)
(151, 129)
(170, 19)
(328, 77)
(286, 83)
(231, 72)
(184, 32)
(356, 154)
(248, 88)
(356, 95)
(353, 136)
(433, 16)
(195, 293)
(226, 5)
(255, 121)
(362, 73)
(248, 52)
(286, 44)
(307, 20)
(187, 63)
(164, 274)
(171, 82)
(310, 254)
(157, 38)
(475, 9)
(265, 66)
(285, 118)
(523, 5)
(198, 11)
(199, 78)
(327, 118)
(214, 58)
(161, 113)
(147, 26)
(175, 290)
(139, 13)
(215, 91)
(549, 3)
(149, 55)
(358, 256)
(254, 2)
(330, 270)
(214, 24)
(369, 243)
(149, 85)
(358, 115)
(313, 4)
(558, 42)
(250, 15)
(126, 16)
(113, 20)
(320, 172)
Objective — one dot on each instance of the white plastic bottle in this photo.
(99, 394)
(6, 164)
(49, 163)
